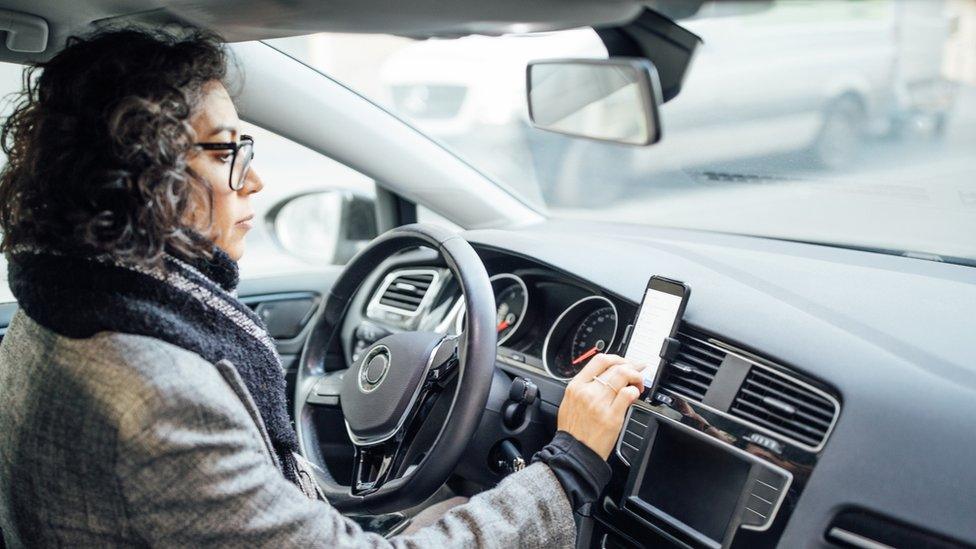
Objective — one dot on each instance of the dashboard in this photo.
(781, 420)
(546, 322)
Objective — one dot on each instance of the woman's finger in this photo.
(625, 397)
(622, 375)
(597, 365)
(602, 390)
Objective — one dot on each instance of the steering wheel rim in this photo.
(473, 363)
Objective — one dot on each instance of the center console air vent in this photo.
(693, 369)
(785, 406)
(404, 291)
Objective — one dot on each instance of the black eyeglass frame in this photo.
(236, 148)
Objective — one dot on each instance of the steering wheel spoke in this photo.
(326, 390)
(372, 466)
(444, 362)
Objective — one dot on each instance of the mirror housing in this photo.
(324, 226)
(612, 99)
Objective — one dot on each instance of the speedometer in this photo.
(593, 335)
(586, 328)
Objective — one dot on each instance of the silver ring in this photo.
(605, 383)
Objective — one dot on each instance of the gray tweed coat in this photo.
(122, 440)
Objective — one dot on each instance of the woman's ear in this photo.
(199, 209)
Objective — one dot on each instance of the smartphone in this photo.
(658, 318)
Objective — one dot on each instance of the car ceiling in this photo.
(242, 20)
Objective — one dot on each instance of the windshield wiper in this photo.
(714, 176)
(926, 256)
(964, 261)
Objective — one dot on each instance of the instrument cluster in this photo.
(548, 323)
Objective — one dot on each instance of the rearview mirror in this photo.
(607, 99)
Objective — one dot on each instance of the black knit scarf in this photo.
(192, 306)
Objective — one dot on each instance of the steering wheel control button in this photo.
(374, 367)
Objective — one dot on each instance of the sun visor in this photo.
(245, 20)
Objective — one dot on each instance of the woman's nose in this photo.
(252, 182)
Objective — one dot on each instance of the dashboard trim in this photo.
(620, 438)
(523, 366)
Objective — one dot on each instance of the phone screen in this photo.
(655, 321)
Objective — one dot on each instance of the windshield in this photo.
(849, 123)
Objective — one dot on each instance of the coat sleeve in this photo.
(193, 471)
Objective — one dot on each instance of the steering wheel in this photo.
(387, 394)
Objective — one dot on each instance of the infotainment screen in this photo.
(693, 481)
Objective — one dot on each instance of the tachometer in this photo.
(586, 328)
(511, 302)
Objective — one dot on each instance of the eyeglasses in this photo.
(243, 153)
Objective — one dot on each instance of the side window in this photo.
(317, 211)
(10, 83)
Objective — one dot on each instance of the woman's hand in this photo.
(593, 410)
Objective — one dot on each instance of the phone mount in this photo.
(669, 349)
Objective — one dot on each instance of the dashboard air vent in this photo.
(692, 371)
(405, 292)
(784, 406)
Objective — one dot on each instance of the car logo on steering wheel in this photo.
(373, 369)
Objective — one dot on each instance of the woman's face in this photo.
(217, 122)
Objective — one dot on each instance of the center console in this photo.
(702, 488)
(721, 467)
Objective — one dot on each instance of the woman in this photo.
(142, 402)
